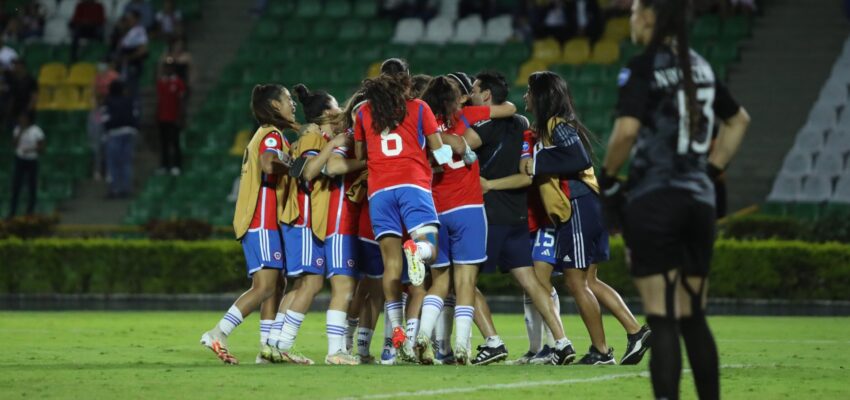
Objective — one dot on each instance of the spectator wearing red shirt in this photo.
(170, 91)
(87, 23)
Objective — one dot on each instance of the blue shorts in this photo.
(341, 255)
(507, 248)
(371, 264)
(543, 242)
(583, 240)
(463, 237)
(304, 252)
(263, 249)
(392, 210)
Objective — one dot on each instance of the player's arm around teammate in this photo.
(257, 209)
(669, 223)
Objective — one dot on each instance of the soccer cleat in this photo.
(388, 355)
(399, 337)
(637, 346)
(292, 356)
(267, 354)
(462, 355)
(407, 354)
(544, 356)
(415, 266)
(595, 357)
(523, 359)
(341, 358)
(260, 360)
(563, 356)
(424, 351)
(217, 343)
(488, 355)
(444, 359)
(365, 360)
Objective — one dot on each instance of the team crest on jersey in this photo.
(277, 255)
(623, 76)
(350, 263)
(271, 142)
(524, 146)
(320, 261)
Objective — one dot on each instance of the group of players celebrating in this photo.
(417, 184)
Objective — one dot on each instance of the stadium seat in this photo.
(296, 30)
(379, 31)
(829, 164)
(546, 50)
(337, 9)
(724, 53)
(425, 54)
(605, 52)
(365, 9)
(785, 188)
(842, 190)
(735, 28)
(396, 50)
(308, 9)
(81, 74)
(365, 55)
(834, 95)
(816, 189)
(498, 29)
(808, 141)
(322, 33)
(706, 27)
(469, 30)
(448, 9)
(439, 30)
(576, 51)
(617, 29)
(281, 8)
(484, 52)
(52, 74)
(822, 116)
(266, 31)
(838, 141)
(56, 30)
(409, 31)
(797, 164)
(528, 68)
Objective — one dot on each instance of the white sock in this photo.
(388, 331)
(533, 324)
(291, 324)
(230, 320)
(364, 341)
(277, 326)
(561, 343)
(404, 298)
(557, 301)
(425, 250)
(412, 328)
(431, 308)
(463, 319)
(336, 331)
(350, 331)
(443, 330)
(494, 341)
(265, 330)
(394, 311)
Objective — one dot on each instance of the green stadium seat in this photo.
(365, 9)
(296, 30)
(735, 28)
(396, 50)
(485, 52)
(515, 53)
(808, 211)
(570, 73)
(322, 33)
(366, 55)
(380, 31)
(281, 8)
(838, 210)
(424, 53)
(706, 27)
(337, 9)
(308, 9)
(352, 30)
(724, 53)
(266, 31)
(628, 50)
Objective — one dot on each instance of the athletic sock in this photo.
(336, 331)
(443, 330)
(425, 250)
(702, 354)
(291, 324)
(561, 343)
(533, 324)
(388, 331)
(557, 301)
(364, 341)
(431, 308)
(412, 328)
(494, 341)
(350, 331)
(277, 326)
(463, 319)
(665, 360)
(394, 311)
(231, 319)
(265, 330)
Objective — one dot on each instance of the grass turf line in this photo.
(144, 355)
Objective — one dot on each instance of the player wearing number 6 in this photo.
(391, 133)
(669, 99)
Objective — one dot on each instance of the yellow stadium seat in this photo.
(81, 74)
(45, 99)
(605, 52)
(374, 70)
(576, 51)
(547, 50)
(66, 98)
(240, 143)
(617, 29)
(527, 68)
(52, 74)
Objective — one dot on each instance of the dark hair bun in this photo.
(301, 92)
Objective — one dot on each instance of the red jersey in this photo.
(397, 157)
(170, 91)
(459, 184)
(265, 213)
(343, 214)
(364, 228)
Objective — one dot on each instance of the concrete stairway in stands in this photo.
(778, 79)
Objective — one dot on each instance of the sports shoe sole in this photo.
(220, 351)
(492, 360)
(636, 355)
(424, 351)
(415, 269)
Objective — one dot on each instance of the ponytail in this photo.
(263, 110)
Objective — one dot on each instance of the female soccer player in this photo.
(311, 255)
(577, 245)
(460, 206)
(669, 101)
(257, 209)
(391, 134)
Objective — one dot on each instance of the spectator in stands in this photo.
(587, 20)
(133, 49)
(143, 9)
(13, 29)
(106, 74)
(169, 20)
(178, 55)
(555, 21)
(31, 22)
(121, 123)
(87, 23)
(170, 90)
(618, 8)
(29, 142)
(8, 56)
(23, 89)
(485, 8)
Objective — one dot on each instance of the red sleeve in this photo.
(359, 133)
(271, 142)
(527, 144)
(475, 114)
(428, 123)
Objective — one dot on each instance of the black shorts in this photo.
(669, 229)
(508, 247)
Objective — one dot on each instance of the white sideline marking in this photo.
(523, 385)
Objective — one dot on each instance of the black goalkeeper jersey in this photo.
(666, 154)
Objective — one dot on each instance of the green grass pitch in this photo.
(156, 355)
